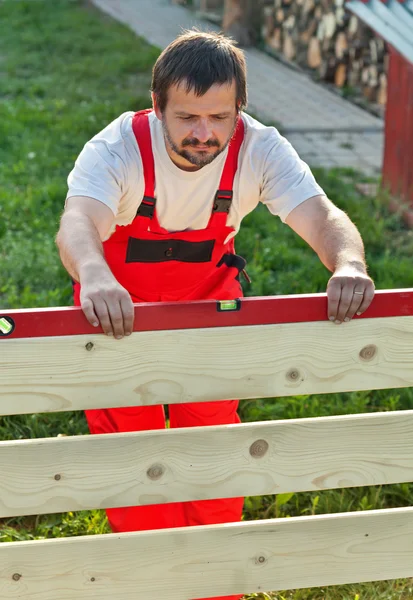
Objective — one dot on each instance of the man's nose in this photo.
(202, 131)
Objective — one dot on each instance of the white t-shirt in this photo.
(109, 169)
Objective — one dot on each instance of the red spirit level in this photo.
(59, 321)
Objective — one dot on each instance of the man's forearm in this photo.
(339, 243)
(336, 240)
(79, 245)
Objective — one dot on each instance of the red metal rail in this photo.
(61, 321)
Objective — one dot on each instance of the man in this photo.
(165, 190)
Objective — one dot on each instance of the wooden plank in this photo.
(401, 26)
(406, 154)
(70, 320)
(366, 12)
(104, 471)
(393, 126)
(212, 560)
(166, 367)
(408, 175)
(402, 14)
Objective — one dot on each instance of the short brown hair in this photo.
(201, 59)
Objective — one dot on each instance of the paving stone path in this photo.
(325, 129)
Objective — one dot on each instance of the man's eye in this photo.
(189, 118)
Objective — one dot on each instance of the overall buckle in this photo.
(222, 201)
(146, 207)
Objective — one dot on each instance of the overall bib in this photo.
(157, 266)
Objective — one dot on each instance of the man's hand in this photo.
(105, 301)
(338, 243)
(349, 291)
(84, 224)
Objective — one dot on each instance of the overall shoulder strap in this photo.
(142, 131)
(223, 197)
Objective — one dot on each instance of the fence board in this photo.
(212, 560)
(53, 374)
(104, 471)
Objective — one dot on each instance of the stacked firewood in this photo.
(323, 36)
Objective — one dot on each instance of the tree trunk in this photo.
(240, 21)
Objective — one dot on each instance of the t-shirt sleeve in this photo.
(287, 180)
(99, 172)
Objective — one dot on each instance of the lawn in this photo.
(65, 72)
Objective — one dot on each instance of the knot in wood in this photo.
(293, 375)
(260, 560)
(155, 472)
(259, 448)
(58, 477)
(89, 346)
(16, 576)
(368, 352)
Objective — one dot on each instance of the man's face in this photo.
(197, 129)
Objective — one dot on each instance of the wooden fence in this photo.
(51, 360)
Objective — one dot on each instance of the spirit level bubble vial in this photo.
(6, 325)
(228, 305)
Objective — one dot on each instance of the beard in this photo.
(201, 158)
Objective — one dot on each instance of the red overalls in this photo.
(155, 265)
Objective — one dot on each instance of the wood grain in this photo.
(104, 471)
(212, 560)
(162, 367)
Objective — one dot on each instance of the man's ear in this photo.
(156, 107)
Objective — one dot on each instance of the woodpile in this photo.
(333, 43)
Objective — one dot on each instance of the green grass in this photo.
(65, 72)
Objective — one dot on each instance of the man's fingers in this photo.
(116, 317)
(101, 310)
(345, 302)
(367, 299)
(333, 295)
(89, 312)
(112, 307)
(349, 294)
(128, 312)
(354, 306)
